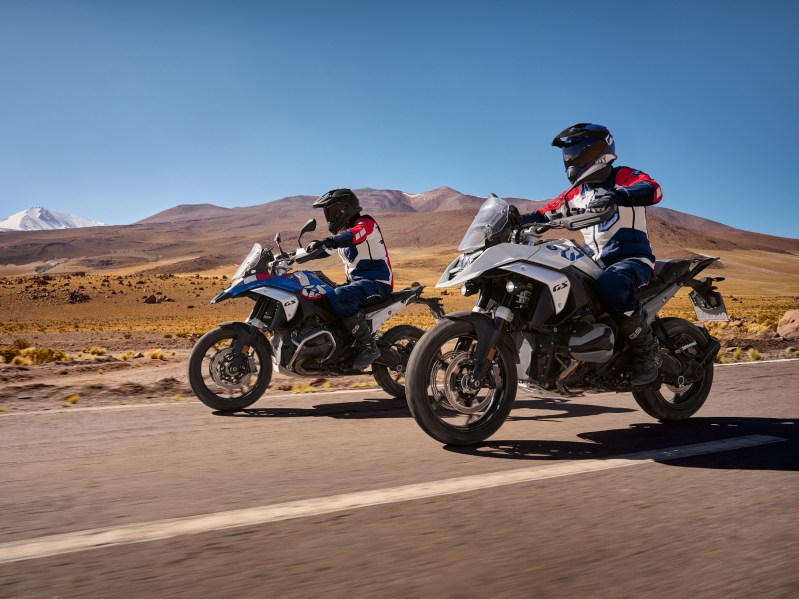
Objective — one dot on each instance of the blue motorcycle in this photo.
(291, 328)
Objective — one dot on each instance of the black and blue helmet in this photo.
(340, 206)
(585, 145)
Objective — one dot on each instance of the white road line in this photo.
(164, 529)
(757, 362)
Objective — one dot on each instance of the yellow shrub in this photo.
(155, 354)
(31, 355)
(753, 354)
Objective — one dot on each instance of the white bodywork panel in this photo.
(495, 256)
(561, 253)
(288, 300)
(557, 284)
(382, 315)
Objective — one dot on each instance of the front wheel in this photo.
(225, 381)
(679, 403)
(400, 340)
(441, 395)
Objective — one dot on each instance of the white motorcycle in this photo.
(538, 322)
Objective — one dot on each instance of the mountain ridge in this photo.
(197, 237)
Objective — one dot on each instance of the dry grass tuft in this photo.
(155, 354)
(33, 356)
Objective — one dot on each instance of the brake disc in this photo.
(462, 398)
(225, 374)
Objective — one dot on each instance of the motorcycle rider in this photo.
(370, 279)
(619, 245)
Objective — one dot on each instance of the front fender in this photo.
(484, 327)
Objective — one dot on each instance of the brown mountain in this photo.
(190, 238)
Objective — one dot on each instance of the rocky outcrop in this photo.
(788, 328)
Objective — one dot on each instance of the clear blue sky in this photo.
(115, 110)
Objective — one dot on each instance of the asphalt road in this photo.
(148, 501)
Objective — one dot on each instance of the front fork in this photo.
(489, 331)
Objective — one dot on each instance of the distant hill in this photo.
(42, 219)
(192, 238)
(186, 212)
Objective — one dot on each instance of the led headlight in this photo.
(510, 286)
(468, 288)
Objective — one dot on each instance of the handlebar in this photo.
(574, 222)
(301, 255)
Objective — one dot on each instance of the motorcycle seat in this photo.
(395, 297)
(666, 272)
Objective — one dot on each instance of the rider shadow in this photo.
(782, 455)
(383, 407)
(565, 408)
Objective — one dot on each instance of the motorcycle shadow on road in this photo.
(383, 407)
(783, 455)
(564, 408)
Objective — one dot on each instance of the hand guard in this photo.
(601, 202)
(315, 246)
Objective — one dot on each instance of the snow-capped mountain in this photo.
(40, 219)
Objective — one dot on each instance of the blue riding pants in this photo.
(616, 287)
(347, 300)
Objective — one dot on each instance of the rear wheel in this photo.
(224, 381)
(444, 400)
(672, 403)
(400, 340)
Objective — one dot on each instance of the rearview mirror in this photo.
(306, 228)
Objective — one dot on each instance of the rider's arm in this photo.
(356, 234)
(539, 216)
(635, 188)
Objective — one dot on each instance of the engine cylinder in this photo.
(592, 343)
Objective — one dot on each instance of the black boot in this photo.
(646, 357)
(364, 341)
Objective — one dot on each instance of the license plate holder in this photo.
(709, 309)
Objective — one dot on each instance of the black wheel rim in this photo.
(681, 396)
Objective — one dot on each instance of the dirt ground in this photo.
(129, 336)
(125, 375)
(107, 380)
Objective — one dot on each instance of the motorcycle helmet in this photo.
(340, 206)
(585, 145)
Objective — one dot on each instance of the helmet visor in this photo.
(583, 152)
(334, 212)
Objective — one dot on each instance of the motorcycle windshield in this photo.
(249, 262)
(489, 220)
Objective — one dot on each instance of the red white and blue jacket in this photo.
(624, 235)
(363, 251)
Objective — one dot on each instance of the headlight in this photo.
(510, 286)
(469, 288)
